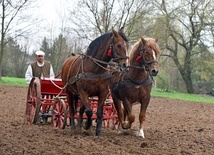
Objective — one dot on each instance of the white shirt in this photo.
(29, 73)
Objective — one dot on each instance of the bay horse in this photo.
(89, 75)
(135, 84)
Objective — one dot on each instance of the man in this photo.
(40, 68)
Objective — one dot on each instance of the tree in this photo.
(187, 25)
(203, 66)
(10, 18)
(92, 18)
(59, 52)
(14, 61)
(46, 47)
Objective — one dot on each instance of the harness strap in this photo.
(68, 76)
(100, 61)
(146, 81)
(137, 67)
(71, 66)
(131, 83)
(89, 76)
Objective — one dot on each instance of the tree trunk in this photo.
(1, 57)
(186, 76)
(188, 82)
(188, 73)
(185, 72)
(0, 68)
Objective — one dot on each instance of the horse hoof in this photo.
(73, 127)
(119, 132)
(75, 131)
(98, 133)
(140, 133)
(125, 132)
(87, 126)
(125, 126)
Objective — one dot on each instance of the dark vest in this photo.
(41, 71)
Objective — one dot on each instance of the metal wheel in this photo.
(59, 116)
(33, 103)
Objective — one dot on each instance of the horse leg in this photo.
(87, 109)
(142, 117)
(80, 119)
(71, 108)
(124, 115)
(76, 100)
(119, 109)
(128, 113)
(100, 114)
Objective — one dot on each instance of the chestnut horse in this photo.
(135, 84)
(89, 75)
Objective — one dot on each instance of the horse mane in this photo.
(123, 36)
(101, 41)
(149, 42)
(135, 47)
(95, 44)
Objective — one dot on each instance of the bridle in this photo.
(141, 57)
(130, 82)
(112, 52)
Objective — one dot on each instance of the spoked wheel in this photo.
(33, 103)
(59, 115)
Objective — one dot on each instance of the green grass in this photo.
(183, 96)
(155, 92)
(13, 81)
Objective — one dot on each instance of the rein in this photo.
(111, 67)
(97, 61)
(137, 67)
(91, 76)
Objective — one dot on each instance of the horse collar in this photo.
(131, 83)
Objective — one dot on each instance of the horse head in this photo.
(119, 47)
(149, 52)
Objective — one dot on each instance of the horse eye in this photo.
(119, 46)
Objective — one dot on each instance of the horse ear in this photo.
(156, 39)
(121, 30)
(115, 33)
(143, 40)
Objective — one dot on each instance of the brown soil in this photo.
(172, 127)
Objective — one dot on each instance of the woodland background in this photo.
(185, 29)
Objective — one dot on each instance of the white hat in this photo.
(40, 53)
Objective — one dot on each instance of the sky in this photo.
(49, 11)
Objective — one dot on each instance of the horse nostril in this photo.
(124, 65)
(154, 72)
